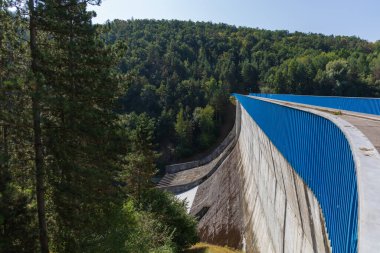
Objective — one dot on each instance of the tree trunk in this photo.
(38, 148)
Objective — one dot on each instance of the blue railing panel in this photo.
(320, 153)
(362, 105)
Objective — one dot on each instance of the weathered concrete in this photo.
(218, 205)
(280, 213)
(184, 180)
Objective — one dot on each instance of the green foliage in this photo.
(150, 235)
(139, 163)
(173, 215)
(171, 66)
(250, 77)
(131, 230)
(17, 206)
(204, 119)
(66, 156)
(78, 125)
(158, 224)
(217, 93)
(375, 67)
(15, 213)
(183, 128)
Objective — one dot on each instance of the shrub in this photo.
(173, 215)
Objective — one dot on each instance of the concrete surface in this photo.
(218, 205)
(280, 213)
(369, 127)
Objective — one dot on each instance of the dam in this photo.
(295, 174)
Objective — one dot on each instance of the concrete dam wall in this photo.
(287, 182)
(281, 214)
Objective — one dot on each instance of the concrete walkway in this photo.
(369, 127)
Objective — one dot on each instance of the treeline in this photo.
(75, 176)
(180, 74)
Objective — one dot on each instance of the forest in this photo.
(90, 113)
(180, 74)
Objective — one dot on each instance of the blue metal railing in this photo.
(362, 105)
(319, 152)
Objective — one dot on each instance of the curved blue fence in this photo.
(363, 105)
(319, 152)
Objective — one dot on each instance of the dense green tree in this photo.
(337, 73)
(204, 119)
(217, 93)
(183, 128)
(36, 85)
(250, 77)
(141, 157)
(174, 217)
(375, 66)
(17, 219)
(77, 124)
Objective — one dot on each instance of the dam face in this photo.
(281, 213)
(290, 180)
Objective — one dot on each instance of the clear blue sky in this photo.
(339, 17)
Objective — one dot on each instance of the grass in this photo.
(337, 113)
(208, 248)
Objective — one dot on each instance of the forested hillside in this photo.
(180, 74)
(280, 61)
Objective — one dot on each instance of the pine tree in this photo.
(184, 131)
(140, 160)
(36, 86)
(17, 219)
(78, 124)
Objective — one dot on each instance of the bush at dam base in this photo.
(209, 248)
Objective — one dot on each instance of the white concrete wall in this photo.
(280, 213)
